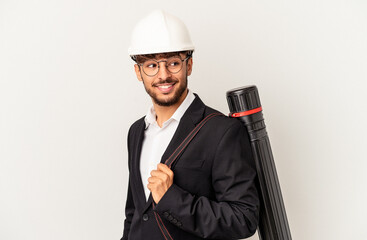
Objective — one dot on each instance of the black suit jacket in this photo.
(213, 195)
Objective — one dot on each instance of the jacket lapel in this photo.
(138, 142)
(193, 115)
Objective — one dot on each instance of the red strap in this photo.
(246, 113)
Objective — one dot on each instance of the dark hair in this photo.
(142, 58)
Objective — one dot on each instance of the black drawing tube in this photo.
(244, 104)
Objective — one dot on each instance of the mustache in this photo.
(168, 80)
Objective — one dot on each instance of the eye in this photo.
(150, 65)
(174, 63)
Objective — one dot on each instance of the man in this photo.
(209, 191)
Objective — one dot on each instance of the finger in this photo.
(154, 173)
(158, 174)
(153, 179)
(152, 186)
(164, 168)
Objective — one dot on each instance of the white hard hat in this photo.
(160, 32)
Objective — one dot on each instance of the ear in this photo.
(189, 66)
(137, 72)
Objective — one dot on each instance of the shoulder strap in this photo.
(173, 158)
(188, 139)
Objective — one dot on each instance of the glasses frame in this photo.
(182, 61)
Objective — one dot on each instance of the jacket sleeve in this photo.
(234, 212)
(129, 213)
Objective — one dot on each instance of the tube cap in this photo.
(243, 99)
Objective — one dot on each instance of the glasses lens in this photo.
(174, 64)
(150, 67)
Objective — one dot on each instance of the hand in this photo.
(159, 182)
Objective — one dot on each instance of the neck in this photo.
(165, 112)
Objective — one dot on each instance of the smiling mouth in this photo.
(165, 88)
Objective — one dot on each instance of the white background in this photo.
(68, 95)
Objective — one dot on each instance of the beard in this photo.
(172, 100)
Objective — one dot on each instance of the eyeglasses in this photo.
(173, 65)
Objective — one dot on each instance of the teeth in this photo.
(165, 87)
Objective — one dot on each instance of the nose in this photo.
(163, 72)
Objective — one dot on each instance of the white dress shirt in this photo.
(156, 139)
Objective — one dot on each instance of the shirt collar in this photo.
(151, 116)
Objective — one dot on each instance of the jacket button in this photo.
(178, 224)
(174, 221)
(170, 217)
(166, 214)
(145, 217)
